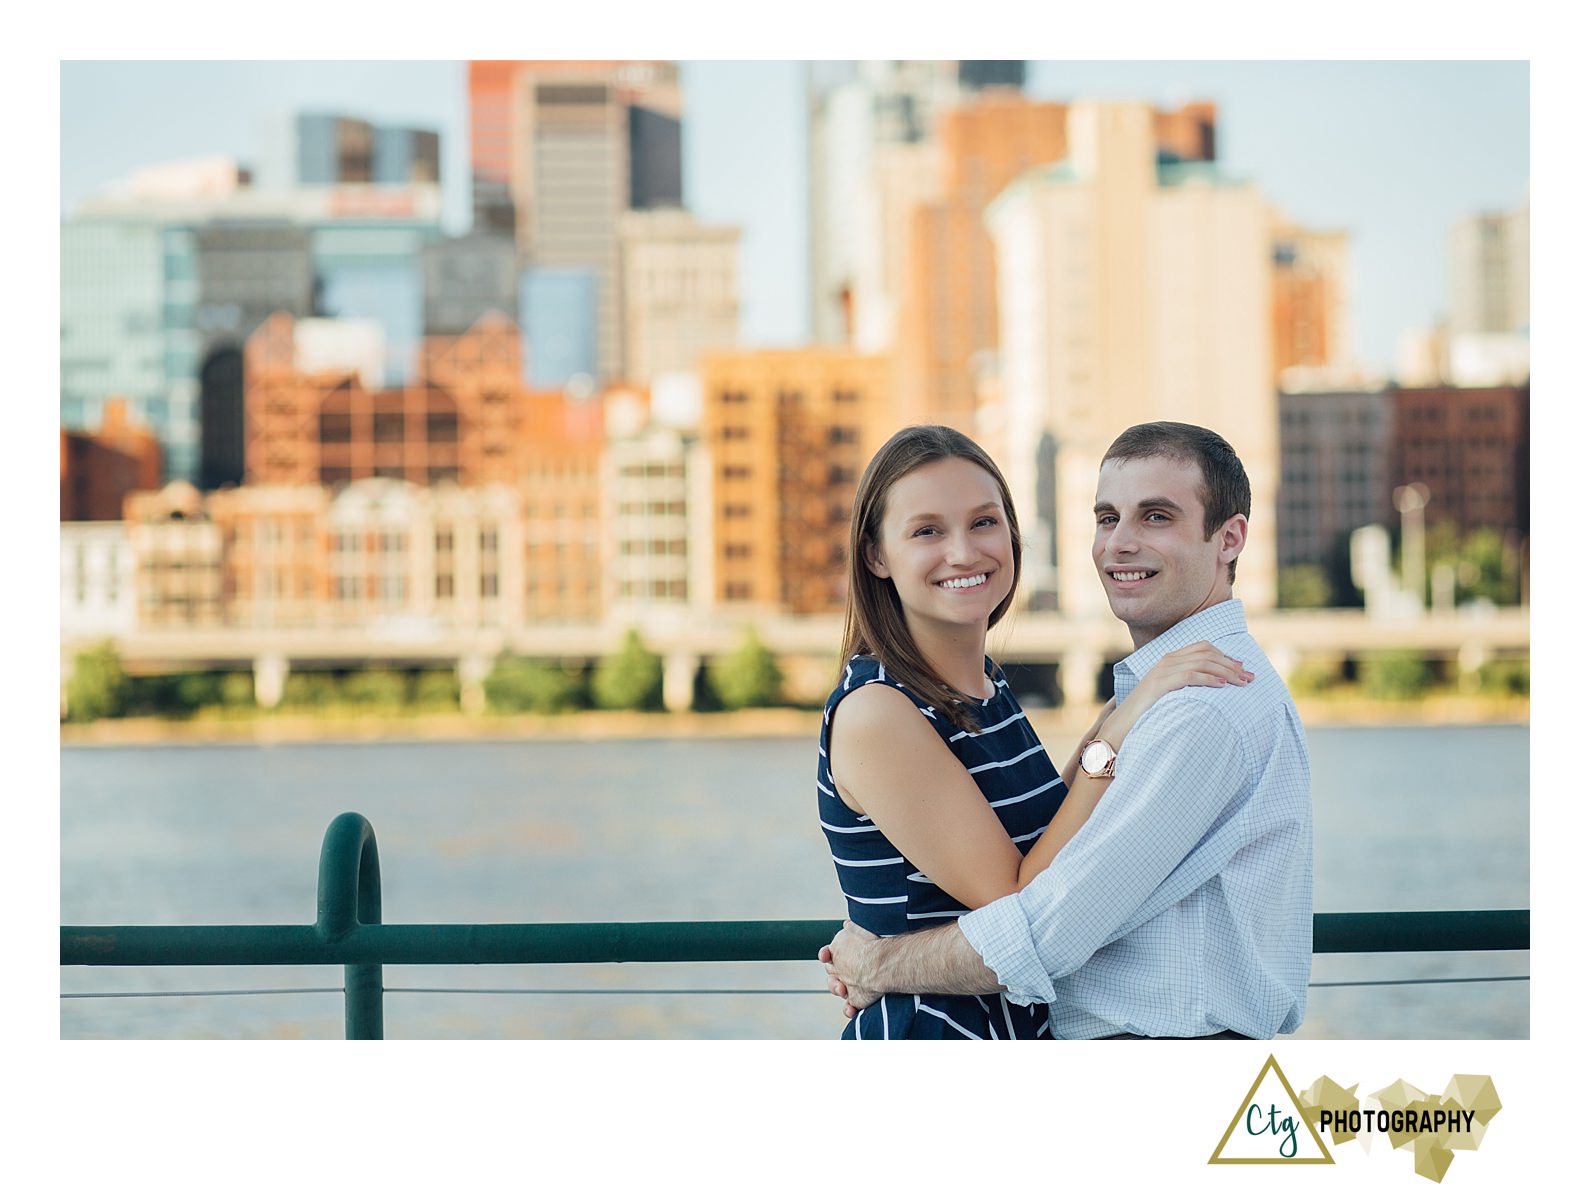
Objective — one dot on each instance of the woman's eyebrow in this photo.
(992, 504)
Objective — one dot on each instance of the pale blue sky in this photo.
(1393, 152)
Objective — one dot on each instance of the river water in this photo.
(1405, 818)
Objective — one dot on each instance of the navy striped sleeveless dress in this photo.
(887, 895)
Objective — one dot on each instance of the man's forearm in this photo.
(937, 960)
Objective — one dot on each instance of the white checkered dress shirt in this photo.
(1185, 905)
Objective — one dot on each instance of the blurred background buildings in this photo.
(289, 401)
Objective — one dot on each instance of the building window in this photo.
(388, 428)
(444, 587)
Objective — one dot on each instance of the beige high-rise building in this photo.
(1488, 264)
(1129, 291)
(681, 289)
(577, 143)
(789, 432)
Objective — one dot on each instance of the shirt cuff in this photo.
(1000, 933)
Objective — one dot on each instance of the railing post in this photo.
(349, 895)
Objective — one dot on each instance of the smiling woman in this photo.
(934, 793)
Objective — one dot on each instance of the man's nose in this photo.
(1120, 539)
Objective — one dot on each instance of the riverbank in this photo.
(1053, 725)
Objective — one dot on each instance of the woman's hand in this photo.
(1197, 665)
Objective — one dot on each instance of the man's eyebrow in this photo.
(1160, 502)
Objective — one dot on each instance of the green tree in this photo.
(1304, 585)
(1505, 676)
(631, 677)
(1396, 675)
(436, 689)
(376, 688)
(748, 677)
(1483, 563)
(309, 689)
(98, 687)
(531, 685)
(237, 690)
(1313, 677)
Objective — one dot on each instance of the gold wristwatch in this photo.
(1098, 759)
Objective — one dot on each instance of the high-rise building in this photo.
(948, 329)
(308, 149)
(1335, 457)
(559, 310)
(789, 432)
(247, 271)
(1470, 447)
(1309, 307)
(577, 144)
(977, 74)
(681, 289)
(466, 278)
(100, 468)
(1131, 289)
(854, 111)
(163, 274)
(1488, 264)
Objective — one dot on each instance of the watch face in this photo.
(1096, 757)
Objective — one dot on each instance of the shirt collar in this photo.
(1205, 625)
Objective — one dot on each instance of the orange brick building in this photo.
(788, 433)
(457, 423)
(100, 469)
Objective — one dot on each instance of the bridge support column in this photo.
(472, 672)
(679, 680)
(1471, 657)
(270, 677)
(1079, 679)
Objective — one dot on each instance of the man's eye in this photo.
(1106, 518)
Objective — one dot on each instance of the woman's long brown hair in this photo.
(874, 621)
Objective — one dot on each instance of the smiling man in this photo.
(1184, 907)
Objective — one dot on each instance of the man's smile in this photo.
(1136, 575)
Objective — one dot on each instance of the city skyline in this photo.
(1393, 152)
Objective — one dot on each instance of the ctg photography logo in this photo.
(1275, 1124)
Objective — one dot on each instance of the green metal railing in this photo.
(348, 931)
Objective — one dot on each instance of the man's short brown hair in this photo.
(1225, 492)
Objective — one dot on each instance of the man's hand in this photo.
(846, 959)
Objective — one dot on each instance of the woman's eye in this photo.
(926, 529)
(984, 522)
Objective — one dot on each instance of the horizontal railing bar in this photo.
(1413, 932)
(668, 991)
(226, 992)
(1401, 982)
(660, 941)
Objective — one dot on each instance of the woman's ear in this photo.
(873, 557)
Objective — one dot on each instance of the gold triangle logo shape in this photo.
(1297, 1112)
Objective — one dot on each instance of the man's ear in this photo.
(1233, 536)
(874, 559)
